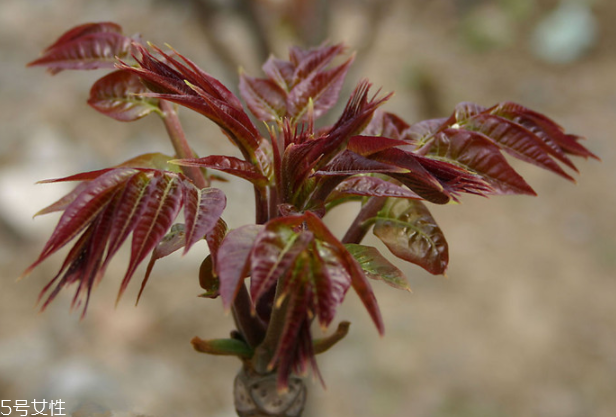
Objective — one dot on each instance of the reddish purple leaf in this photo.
(311, 61)
(321, 88)
(330, 281)
(83, 210)
(546, 129)
(279, 71)
(118, 95)
(371, 187)
(275, 251)
(85, 29)
(63, 202)
(90, 51)
(422, 131)
(516, 140)
(350, 163)
(228, 164)
(191, 87)
(233, 260)
(476, 153)
(161, 206)
(173, 241)
(368, 145)
(127, 211)
(214, 239)
(465, 110)
(202, 209)
(358, 279)
(265, 98)
(409, 231)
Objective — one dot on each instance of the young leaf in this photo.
(321, 89)
(376, 266)
(478, 154)
(83, 210)
(369, 186)
(358, 280)
(265, 99)
(173, 241)
(188, 85)
(516, 140)
(114, 203)
(202, 209)
(118, 95)
(83, 30)
(162, 204)
(409, 231)
(233, 260)
(228, 164)
(280, 72)
(90, 51)
(546, 129)
(275, 251)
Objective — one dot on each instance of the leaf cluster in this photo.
(298, 271)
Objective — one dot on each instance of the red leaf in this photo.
(117, 95)
(417, 177)
(465, 110)
(228, 164)
(409, 231)
(331, 281)
(546, 129)
(371, 187)
(322, 88)
(311, 61)
(202, 209)
(350, 163)
(367, 145)
(422, 131)
(358, 279)
(190, 86)
(516, 140)
(279, 71)
(233, 260)
(64, 202)
(171, 242)
(214, 239)
(90, 51)
(475, 152)
(85, 29)
(387, 125)
(275, 251)
(162, 203)
(265, 99)
(128, 209)
(81, 212)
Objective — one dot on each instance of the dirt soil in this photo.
(523, 325)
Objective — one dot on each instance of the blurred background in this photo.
(523, 325)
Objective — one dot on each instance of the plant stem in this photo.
(360, 225)
(179, 142)
(248, 324)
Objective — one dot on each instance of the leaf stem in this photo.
(247, 323)
(360, 226)
(179, 142)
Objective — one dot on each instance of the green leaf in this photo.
(223, 347)
(376, 266)
(410, 232)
